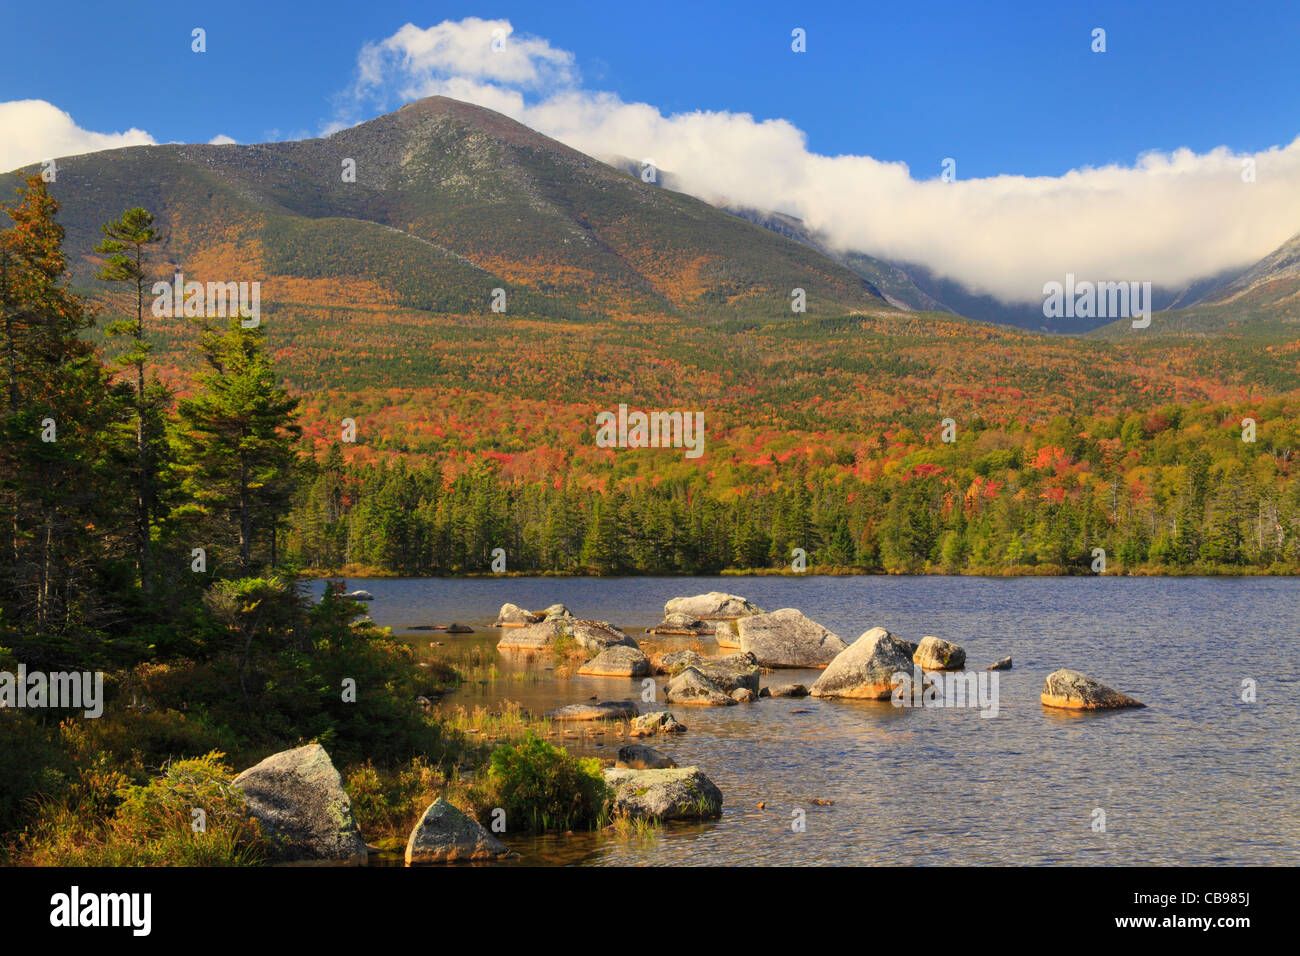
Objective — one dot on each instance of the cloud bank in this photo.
(1168, 218)
(36, 131)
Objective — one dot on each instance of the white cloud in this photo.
(36, 131)
(1169, 218)
(472, 48)
(221, 139)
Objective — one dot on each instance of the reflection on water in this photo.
(1197, 777)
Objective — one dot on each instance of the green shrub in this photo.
(542, 787)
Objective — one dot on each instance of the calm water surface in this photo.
(1197, 777)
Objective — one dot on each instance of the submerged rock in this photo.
(713, 606)
(787, 638)
(603, 710)
(684, 793)
(1074, 691)
(656, 722)
(933, 654)
(786, 690)
(619, 661)
(865, 669)
(512, 615)
(1001, 665)
(446, 835)
(641, 757)
(298, 797)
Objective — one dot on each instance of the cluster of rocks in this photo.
(785, 638)
(306, 816)
(591, 636)
(511, 615)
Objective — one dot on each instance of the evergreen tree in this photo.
(124, 245)
(235, 443)
(57, 465)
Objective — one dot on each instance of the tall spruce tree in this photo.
(235, 447)
(125, 245)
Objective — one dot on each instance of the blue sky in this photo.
(1007, 87)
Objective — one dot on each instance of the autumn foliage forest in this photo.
(476, 431)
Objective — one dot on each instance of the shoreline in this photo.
(361, 572)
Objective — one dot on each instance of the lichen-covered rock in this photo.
(593, 710)
(529, 637)
(710, 680)
(591, 636)
(788, 638)
(678, 660)
(1074, 691)
(732, 671)
(512, 615)
(682, 625)
(684, 793)
(711, 607)
(726, 633)
(641, 757)
(1003, 664)
(619, 661)
(554, 612)
(692, 687)
(445, 835)
(298, 797)
(595, 636)
(865, 669)
(933, 654)
(656, 722)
